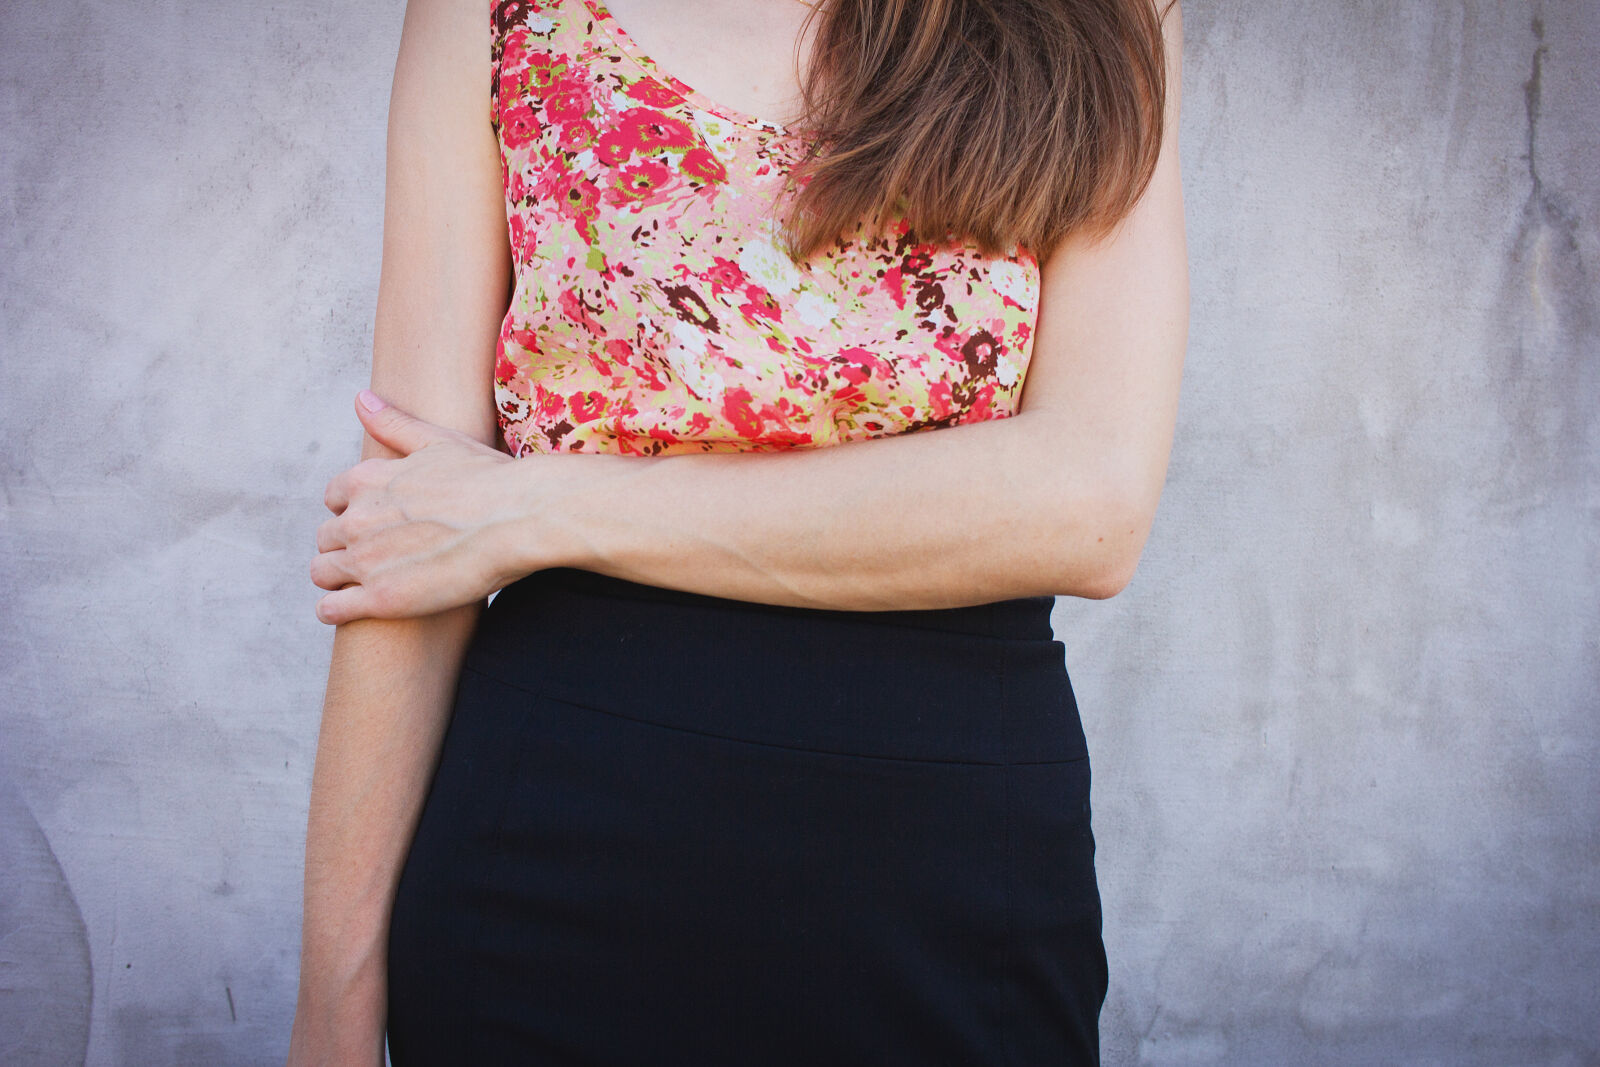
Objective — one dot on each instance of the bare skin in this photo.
(1057, 499)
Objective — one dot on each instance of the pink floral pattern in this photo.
(653, 312)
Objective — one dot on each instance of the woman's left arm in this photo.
(1057, 499)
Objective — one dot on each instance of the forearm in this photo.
(389, 693)
(941, 518)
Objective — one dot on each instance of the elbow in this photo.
(1108, 579)
(1106, 542)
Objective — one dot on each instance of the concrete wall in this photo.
(1343, 723)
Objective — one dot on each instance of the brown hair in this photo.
(1007, 122)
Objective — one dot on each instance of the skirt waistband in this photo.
(985, 683)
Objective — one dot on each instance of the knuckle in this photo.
(381, 598)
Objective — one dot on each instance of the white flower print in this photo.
(770, 268)
(815, 309)
(1006, 372)
(715, 133)
(1014, 281)
(686, 357)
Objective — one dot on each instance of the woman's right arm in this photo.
(442, 293)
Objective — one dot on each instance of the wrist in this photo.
(353, 987)
(553, 498)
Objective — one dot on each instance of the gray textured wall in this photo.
(1343, 722)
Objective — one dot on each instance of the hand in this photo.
(414, 535)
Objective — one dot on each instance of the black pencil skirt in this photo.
(669, 828)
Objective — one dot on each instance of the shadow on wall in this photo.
(44, 949)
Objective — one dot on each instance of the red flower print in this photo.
(504, 369)
(948, 343)
(894, 283)
(649, 374)
(568, 103)
(653, 93)
(581, 203)
(549, 403)
(620, 351)
(514, 50)
(785, 438)
(723, 275)
(545, 71)
(586, 407)
(760, 305)
(737, 410)
(701, 165)
(518, 126)
(640, 182)
(858, 365)
(516, 187)
(783, 413)
(616, 145)
(519, 236)
(654, 131)
(525, 339)
(512, 91)
(576, 136)
(982, 404)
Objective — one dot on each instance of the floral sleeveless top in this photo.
(653, 312)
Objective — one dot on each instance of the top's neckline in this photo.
(608, 24)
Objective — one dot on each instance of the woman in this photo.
(764, 752)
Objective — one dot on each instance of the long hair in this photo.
(1006, 122)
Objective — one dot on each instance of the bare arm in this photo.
(441, 296)
(1058, 499)
(1055, 500)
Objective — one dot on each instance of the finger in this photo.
(331, 570)
(341, 606)
(388, 425)
(337, 494)
(330, 535)
(344, 485)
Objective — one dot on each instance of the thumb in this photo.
(399, 430)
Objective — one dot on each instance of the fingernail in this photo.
(370, 400)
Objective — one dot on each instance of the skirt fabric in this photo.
(669, 828)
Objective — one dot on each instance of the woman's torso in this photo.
(654, 312)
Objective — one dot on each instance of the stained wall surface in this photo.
(1344, 722)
